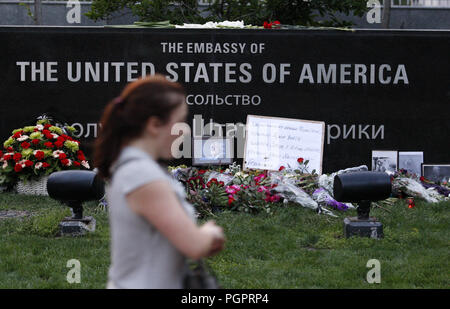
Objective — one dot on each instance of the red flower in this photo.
(25, 145)
(76, 163)
(267, 25)
(45, 164)
(39, 155)
(47, 126)
(62, 156)
(28, 163)
(281, 168)
(17, 167)
(48, 145)
(35, 141)
(230, 200)
(1, 153)
(276, 22)
(59, 144)
(10, 149)
(300, 160)
(65, 162)
(422, 178)
(7, 157)
(35, 130)
(17, 134)
(201, 172)
(17, 156)
(80, 156)
(221, 183)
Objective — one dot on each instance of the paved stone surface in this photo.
(7, 214)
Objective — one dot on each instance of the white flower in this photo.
(85, 164)
(23, 138)
(5, 164)
(236, 24)
(40, 127)
(56, 153)
(38, 165)
(55, 136)
(69, 162)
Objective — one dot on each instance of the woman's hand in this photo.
(218, 238)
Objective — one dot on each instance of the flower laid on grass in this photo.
(35, 151)
(214, 189)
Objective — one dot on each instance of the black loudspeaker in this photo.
(75, 187)
(362, 188)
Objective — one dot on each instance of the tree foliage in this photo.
(255, 12)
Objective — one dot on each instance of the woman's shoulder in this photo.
(135, 167)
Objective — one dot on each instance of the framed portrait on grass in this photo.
(385, 161)
(411, 161)
(438, 173)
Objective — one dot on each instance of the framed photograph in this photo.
(411, 161)
(436, 172)
(384, 161)
(210, 150)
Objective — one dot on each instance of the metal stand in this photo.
(363, 225)
(77, 225)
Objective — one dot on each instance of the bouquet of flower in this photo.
(35, 151)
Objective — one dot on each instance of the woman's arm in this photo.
(157, 202)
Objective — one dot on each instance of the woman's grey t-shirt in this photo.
(141, 257)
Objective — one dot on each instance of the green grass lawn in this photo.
(294, 248)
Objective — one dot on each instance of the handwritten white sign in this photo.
(272, 142)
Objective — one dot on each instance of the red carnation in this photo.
(281, 168)
(59, 144)
(7, 157)
(10, 149)
(76, 163)
(17, 156)
(80, 156)
(18, 167)
(300, 160)
(48, 145)
(35, 141)
(62, 156)
(17, 134)
(28, 163)
(201, 172)
(47, 126)
(1, 153)
(39, 155)
(65, 161)
(25, 145)
(276, 22)
(45, 164)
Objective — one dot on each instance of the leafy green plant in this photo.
(288, 12)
